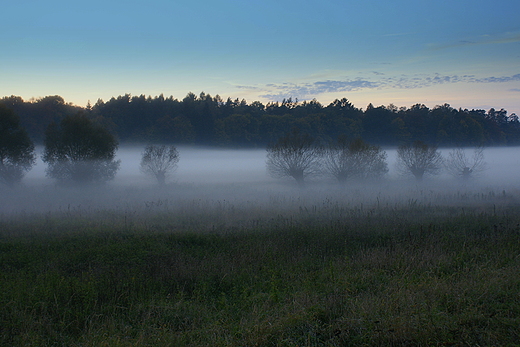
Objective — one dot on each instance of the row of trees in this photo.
(208, 120)
(77, 150)
(80, 150)
(298, 156)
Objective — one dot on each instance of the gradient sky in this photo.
(462, 52)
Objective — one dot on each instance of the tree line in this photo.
(298, 156)
(79, 150)
(207, 120)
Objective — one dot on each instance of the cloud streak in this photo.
(310, 90)
(484, 40)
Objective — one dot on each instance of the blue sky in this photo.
(465, 53)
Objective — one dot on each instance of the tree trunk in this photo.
(418, 173)
(161, 178)
(299, 178)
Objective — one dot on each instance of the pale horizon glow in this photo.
(464, 53)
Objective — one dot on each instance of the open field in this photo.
(180, 267)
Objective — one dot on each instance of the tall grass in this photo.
(426, 270)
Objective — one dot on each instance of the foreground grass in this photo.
(381, 276)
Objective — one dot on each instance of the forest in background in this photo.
(206, 120)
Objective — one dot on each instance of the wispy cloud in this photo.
(499, 79)
(482, 40)
(249, 87)
(309, 90)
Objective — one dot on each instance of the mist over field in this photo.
(224, 247)
(239, 177)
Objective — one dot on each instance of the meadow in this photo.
(252, 265)
(225, 256)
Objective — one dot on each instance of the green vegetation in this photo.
(209, 120)
(211, 273)
(16, 148)
(79, 150)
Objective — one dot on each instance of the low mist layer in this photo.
(239, 177)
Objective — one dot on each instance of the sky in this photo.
(462, 52)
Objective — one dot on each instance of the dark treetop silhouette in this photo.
(78, 150)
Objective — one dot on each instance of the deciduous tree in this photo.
(79, 150)
(16, 148)
(419, 159)
(459, 165)
(354, 160)
(294, 155)
(159, 161)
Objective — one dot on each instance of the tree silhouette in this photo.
(203, 119)
(459, 165)
(80, 151)
(419, 159)
(354, 160)
(159, 161)
(295, 155)
(16, 148)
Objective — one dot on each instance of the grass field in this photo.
(433, 269)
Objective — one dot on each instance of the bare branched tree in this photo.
(159, 162)
(459, 165)
(419, 159)
(295, 155)
(354, 160)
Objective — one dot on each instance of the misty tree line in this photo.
(208, 120)
(79, 150)
(298, 155)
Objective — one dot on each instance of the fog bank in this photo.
(239, 177)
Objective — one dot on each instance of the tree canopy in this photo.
(354, 159)
(159, 161)
(419, 159)
(294, 155)
(210, 120)
(79, 150)
(16, 148)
